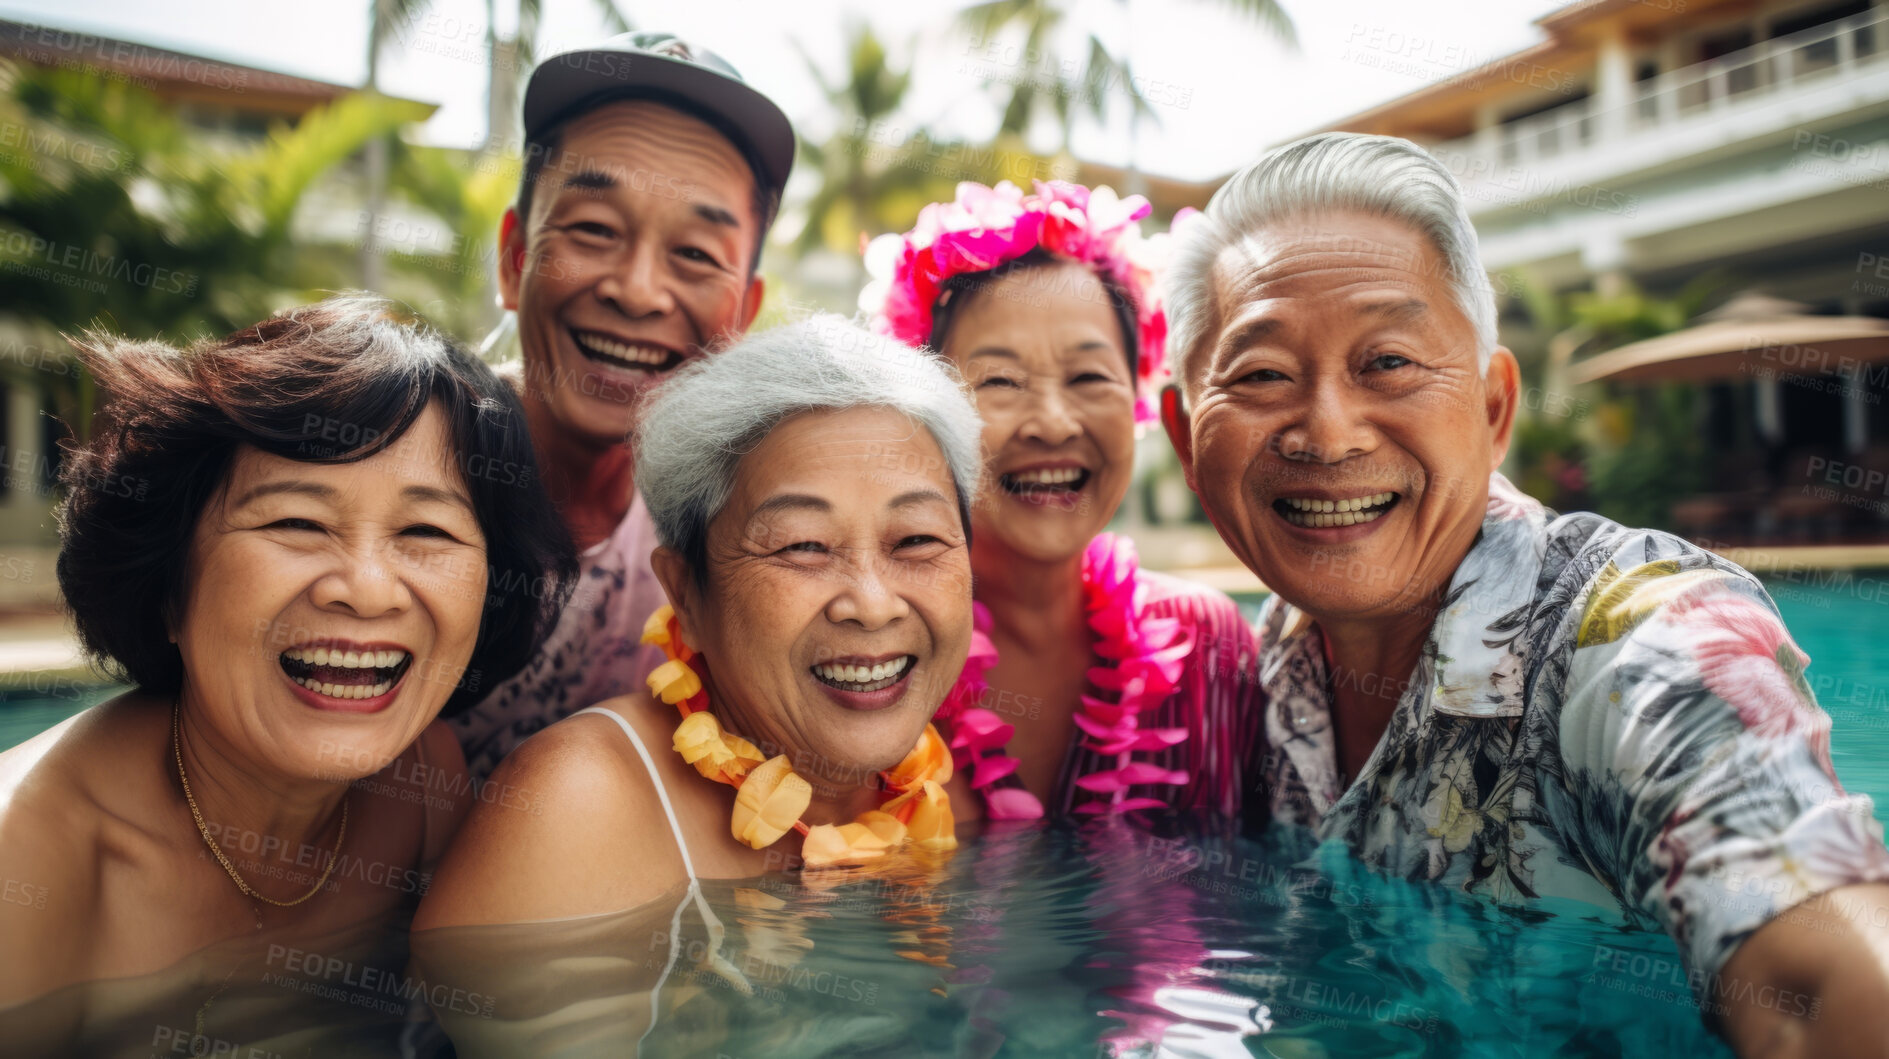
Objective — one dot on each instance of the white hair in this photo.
(693, 429)
(1333, 171)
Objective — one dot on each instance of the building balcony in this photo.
(1782, 89)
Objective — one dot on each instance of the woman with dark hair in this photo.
(1094, 686)
(300, 543)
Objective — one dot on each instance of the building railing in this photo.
(1566, 128)
(1762, 71)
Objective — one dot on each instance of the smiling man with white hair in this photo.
(1467, 688)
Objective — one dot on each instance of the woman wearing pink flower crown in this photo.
(1092, 686)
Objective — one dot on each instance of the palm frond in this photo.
(293, 157)
(989, 18)
(385, 21)
(612, 18)
(1270, 14)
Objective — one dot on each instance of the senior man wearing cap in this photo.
(1464, 687)
(652, 173)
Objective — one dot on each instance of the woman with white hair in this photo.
(810, 487)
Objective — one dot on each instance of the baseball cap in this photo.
(662, 65)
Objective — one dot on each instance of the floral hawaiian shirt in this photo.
(1600, 713)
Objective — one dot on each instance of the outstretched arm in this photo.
(1704, 789)
(1814, 981)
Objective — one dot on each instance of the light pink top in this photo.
(594, 653)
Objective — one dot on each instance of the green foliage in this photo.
(1631, 315)
(1640, 450)
(1550, 460)
(115, 215)
(275, 176)
(467, 194)
(1599, 322)
(867, 171)
(149, 231)
(1659, 457)
(876, 173)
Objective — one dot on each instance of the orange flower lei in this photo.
(770, 797)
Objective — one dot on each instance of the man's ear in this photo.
(1502, 385)
(511, 257)
(672, 571)
(751, 302)
(1180, 431)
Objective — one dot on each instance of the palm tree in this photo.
(384, 17)
(455, 289)
(876, 175)
(1597, 320)
(510, 60)
(1104, 75)
(868, 182)
(503, 72)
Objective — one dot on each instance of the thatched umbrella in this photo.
(1751, 336)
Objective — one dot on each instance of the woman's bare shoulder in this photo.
(587, 758)
(58, 788)
(91, 735)
(55, 822)
(569, 824)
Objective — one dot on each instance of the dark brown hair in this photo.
(334, 382)
(955, 293)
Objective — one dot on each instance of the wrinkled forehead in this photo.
(1330, 252)
(628, 125)
(421, 465)
(1331, 267)
(642, 145)
(1044, 312)
(853, 459)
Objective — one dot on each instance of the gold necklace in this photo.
(204, 829)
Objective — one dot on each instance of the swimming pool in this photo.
(24, 714)
(1845, 630)
(1107, 939)
(1113, 939)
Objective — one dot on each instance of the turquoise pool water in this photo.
(1111, 939)
(1844, 628)
(25, 714)
(1106, 939)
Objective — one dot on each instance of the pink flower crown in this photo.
(986, 227)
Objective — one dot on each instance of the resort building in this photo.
(1645, 144)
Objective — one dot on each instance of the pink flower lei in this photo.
(985, 227)
(1144, 657)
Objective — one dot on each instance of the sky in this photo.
(1224, 88)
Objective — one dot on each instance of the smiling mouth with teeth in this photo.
(1332, 514)
(864, 678)
(1047, 484)
(343, 674)
(607, 350)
